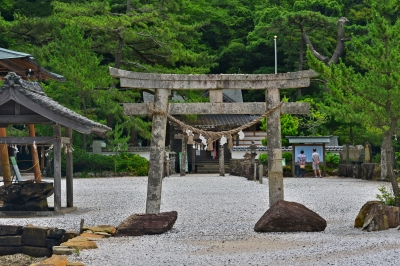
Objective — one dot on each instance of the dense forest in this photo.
(352, 43)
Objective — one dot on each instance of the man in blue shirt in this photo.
(301, 164)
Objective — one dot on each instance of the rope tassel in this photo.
(230, 141)
(210, 145)
(190, 139)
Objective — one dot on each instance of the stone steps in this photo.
(211, 169)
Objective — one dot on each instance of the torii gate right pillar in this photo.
(275, 171)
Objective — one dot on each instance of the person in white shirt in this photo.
(315, 164)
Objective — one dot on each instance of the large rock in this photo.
(80, 243)
(26, 196)
(359, 221)
(392, 212)
(109, 229)
(147, 224)
(376, 220)
(286, 216)
(382, 217)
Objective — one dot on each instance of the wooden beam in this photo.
(69, 169)
(57, 167)
(255, 108)
(66, 140)
(24, 119)
(213, 81)
(27, 140)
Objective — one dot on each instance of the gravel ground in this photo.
(216, 216)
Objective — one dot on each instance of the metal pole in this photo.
(276, 60)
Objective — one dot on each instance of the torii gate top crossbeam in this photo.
(213, 81)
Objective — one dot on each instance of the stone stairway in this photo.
(211, 168)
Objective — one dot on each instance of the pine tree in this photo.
(370, 91)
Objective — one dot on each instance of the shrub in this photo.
(332, 160)
(132, 163)
(263, 159)
(287, 155)
(86, 162)
(376, 158)
(386, 197)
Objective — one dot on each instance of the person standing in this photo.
(301, 164)
(315, 164)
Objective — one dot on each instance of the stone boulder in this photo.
(359, 221)
(147, 224)
(376, 220)
(109, 229)
(80, 243)
(375, 216)
(286, 216)
(392, 212)
(26, 196)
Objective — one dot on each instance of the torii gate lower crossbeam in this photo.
(162, 83)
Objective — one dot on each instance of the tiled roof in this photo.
(12, 61)
(220, 120)
(8, 54)
(35, 93)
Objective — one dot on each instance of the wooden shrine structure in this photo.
(25, 66)
(24, 102)
(214, 83)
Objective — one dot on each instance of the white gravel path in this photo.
(216, 216)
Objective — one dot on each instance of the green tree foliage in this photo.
(314, 121)
(289, 127)
(372, 91)
(288, 20)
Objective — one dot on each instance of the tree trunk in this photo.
(128, 6)
(387, 161)
(339, 45)
(301, 61)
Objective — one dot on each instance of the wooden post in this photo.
(324, 154)
(294, 160)
(41, 157)
(5, 160)
(183, 157)
(275, 171)
(157, 151)
(57, 168)
(35, 157)
(193, 160)
(221, 160)
(69, 171)
(255, 171)
(260, 173)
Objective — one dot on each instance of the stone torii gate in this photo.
(215, 83)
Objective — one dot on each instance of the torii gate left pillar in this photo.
(162, 83)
